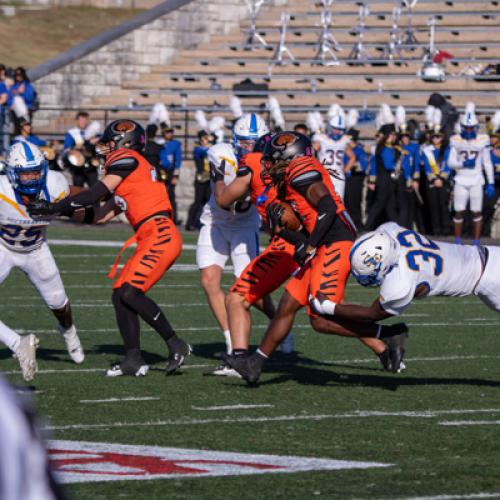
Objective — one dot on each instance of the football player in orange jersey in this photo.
(269, 270)
(130, 185)
(323, 255)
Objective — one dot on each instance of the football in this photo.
(289, 218)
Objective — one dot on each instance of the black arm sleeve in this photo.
(292, 237)
(81, 200)
(327, 211)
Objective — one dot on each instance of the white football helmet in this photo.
(372, 257)
(469, 124)
(246, 131)
(25, 158)
(337, 123)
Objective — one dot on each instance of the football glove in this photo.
(217, 172)
(490, 190)
(274, 211)
(470, 163)
(40, 209)
(301, 255)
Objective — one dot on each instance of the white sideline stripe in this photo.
(100, 243)
(182, 268)
(278, 418)
(103, 304)
(454, 497)
(230, 407)
(117, 400)
(470, 422)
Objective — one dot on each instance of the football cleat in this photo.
(177, 356)
(118, 371)
(396, 347)
(73, 345)
(286, 347)
(26, 355)
(133, 365)
(249, 367)
(223, 370)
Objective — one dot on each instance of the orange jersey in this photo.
(139, 194)
(307, 212)
(261, 193)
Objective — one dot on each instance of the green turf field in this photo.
(438, 423)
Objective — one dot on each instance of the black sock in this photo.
(148, 310)
(391, 330)
(128, 323)
(240, 353)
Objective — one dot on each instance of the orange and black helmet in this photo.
(121, 134)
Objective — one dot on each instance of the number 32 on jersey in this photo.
(420, 249)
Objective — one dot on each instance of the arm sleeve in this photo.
(292, 237)
(327, 211)
(373, 167)
(445, 169)
(83, 199)
(396, 293)
(164, 161)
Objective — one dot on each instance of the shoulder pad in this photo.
(121, 163)
(57, 186)
(305, 179)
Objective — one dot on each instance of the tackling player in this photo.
(407, 265)
(130, 185)
(323, 255)
(469, 154)
(228, 232)
(23, 243)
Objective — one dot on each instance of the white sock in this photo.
(260, 353)
(229, 344)
(9, 337)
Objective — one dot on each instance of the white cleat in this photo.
(73, 345)
(26, 355)
(287, 346)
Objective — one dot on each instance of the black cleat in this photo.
(249, 367)
(385, 359)
(396, 347)
(178, 353)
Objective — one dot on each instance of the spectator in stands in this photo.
(435, 157)
(26, 134)
(382, 180)
(4, 94)
(152, 149)
(355, 178)
(79, 151)
(170, 163)
(21, 98)
(449, 114)
(201, 180)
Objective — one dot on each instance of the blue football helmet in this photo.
(26, 168)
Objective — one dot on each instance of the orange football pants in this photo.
(159, 243)
(327, 273)
(267, 272)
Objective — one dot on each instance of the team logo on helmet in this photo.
(284, 140)
(124, 126)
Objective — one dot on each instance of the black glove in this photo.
(40, 209)
(301, 255)
(274, 211)
(217, 172)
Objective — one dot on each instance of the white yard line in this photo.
(230, 407)
(278, 418)
(100, 243)
(458, 423)
(454, 497)
(117, 400)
